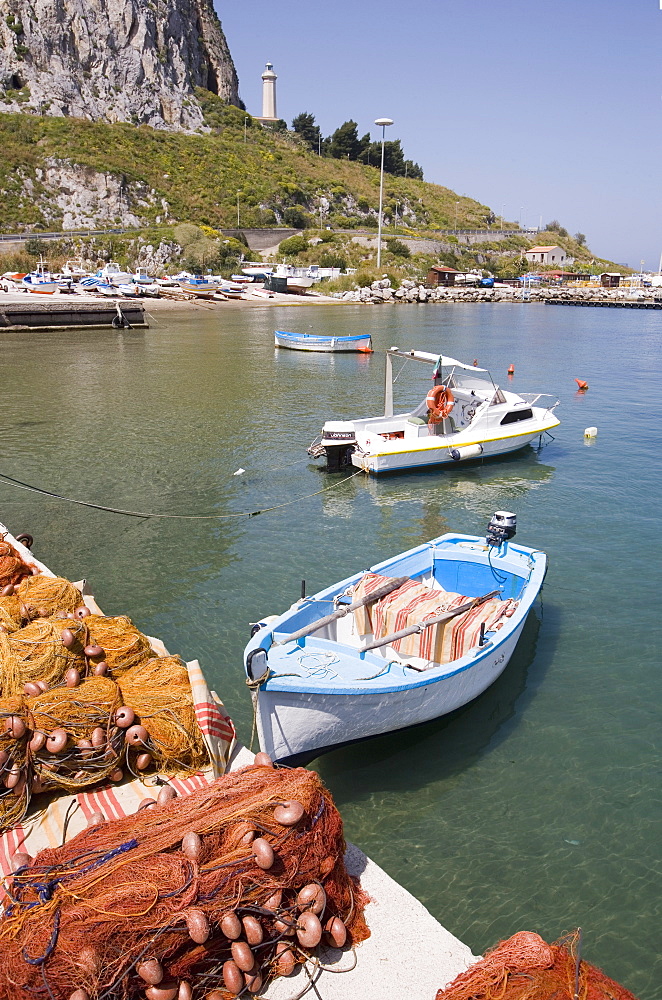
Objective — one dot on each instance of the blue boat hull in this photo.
(308, 342)
(322, 692)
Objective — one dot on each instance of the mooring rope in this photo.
(9, 481)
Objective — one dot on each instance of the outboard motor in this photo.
(338, 440)
(502, 527)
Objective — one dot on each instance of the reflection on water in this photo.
(534, 806)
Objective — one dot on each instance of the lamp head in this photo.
(383, 121)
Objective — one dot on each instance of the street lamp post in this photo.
(383, 122)
(238, 193)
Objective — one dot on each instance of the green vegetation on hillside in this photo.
(202, 177)
(241, 175)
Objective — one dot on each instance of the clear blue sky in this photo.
(546, 107)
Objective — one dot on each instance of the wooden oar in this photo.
(376, 595)
(437, 620)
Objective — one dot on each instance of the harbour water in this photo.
(536, 806)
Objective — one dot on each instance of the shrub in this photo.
(294, 245)
(333, 260)
(36, 247)
(398, 248)
(295, 218)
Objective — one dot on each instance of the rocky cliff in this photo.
(114, 60)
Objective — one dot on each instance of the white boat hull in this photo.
(293, 724)
(330, 345)
(427, 456)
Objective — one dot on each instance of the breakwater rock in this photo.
(411, 292)
(114, 60)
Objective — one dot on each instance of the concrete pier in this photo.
(65, 313)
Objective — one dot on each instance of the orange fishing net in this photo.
(12, 567)
(524, 967)
(73, 737)
(205, 896)
(43, 596)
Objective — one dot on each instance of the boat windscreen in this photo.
(464, 379)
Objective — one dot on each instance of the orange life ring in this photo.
(440, 401)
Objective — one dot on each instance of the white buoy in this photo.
(591, 432)
(239, 472)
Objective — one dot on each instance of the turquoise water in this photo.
(535, 806)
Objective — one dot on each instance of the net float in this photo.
(37, 786)
(72, 678)
(253, 930)
(247, 838)
(124, 717)
(20, 860)
(288, 813)
(94, 652)
(86, 748)
(274, 901)
(100, 669)
(198, 926)
(19, 787)
(8, 591)
(146, 804)
(285, 928)
(285, 960)
(31, 689)
(82, 612)
(136, 735)
(254, 982)
(164, 991)
(263, 760)
(336, 932)
(96, 818)
(79, 995)
(166, 794)
(150, 971)
(116, 775)
(185, 991)
(4, 757)
(42, 612)
(312, 897)
(98, 737)
(242, 956)
(143, 760)
(191, 845)
(263, 852)
(42, 685)
(68, 638)
(231, 926)
(69, 614)
(57, 740)
(309, 929)
(15, 727)
(233, 979)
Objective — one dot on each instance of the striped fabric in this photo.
(67, 815)
(413, 603)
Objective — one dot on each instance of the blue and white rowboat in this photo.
(321, 680)
(309, 342)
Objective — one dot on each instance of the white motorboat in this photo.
(40, 281)
(465, 416)
(409, 640)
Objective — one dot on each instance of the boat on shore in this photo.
(199, 287)
(413, 638)
(465, 416)
(40, 281)
(312, 342)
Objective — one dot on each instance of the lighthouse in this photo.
(269, 94)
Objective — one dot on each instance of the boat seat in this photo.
(416, 420)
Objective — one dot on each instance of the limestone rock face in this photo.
(113, 60)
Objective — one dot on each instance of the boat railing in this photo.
(533, 399)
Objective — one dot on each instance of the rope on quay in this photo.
(9, 481)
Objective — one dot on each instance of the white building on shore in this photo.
(547, 255)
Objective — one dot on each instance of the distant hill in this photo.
(69, 173)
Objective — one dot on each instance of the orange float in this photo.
(440, 401)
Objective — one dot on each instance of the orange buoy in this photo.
(581, 385)
(511, 369)
(475, 362)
